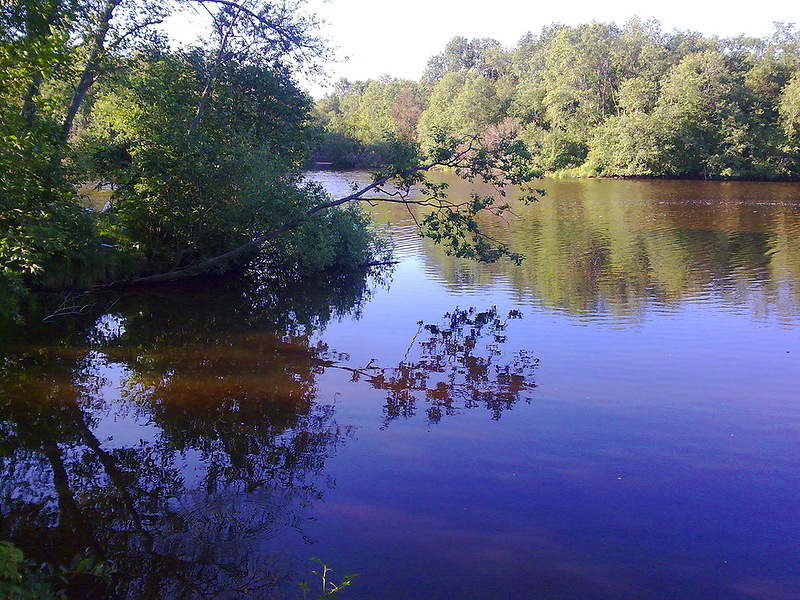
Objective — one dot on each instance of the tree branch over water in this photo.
(451, 222)
(202, 148)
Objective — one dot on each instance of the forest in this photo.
(194, 439)
(595, 100)
(200, 149)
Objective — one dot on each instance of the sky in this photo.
(374, 37)
(397, 38)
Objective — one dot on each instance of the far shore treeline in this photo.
(593, 100)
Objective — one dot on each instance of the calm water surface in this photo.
(616, 418)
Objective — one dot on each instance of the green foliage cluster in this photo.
(360, 122)
(334, 239)
(25, 580)
(179, 200)
(594, 100)
(42, 229)
(201, 147)
(328, 588)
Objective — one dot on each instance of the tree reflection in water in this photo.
(459, 366)
(235, 441)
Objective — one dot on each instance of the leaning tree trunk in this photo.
(258, 242)
(90, 69)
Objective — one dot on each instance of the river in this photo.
(615, 418)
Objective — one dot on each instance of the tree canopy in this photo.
(602, 100)
(201, 147)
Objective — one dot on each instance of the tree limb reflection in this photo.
(460, 365)
(185, 442)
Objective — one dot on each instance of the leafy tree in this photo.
(790, 109)
(625, 145)
(462, 104)
(693, 104)
(608, 100)
(407, 110)
(89, 93)
(569, 79)
(41, 227)
(203, 147)
(360, 121)
(173, 203)
(485, 55)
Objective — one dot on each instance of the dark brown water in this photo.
(616, 418)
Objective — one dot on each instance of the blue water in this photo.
(651, 450)
(658, 456)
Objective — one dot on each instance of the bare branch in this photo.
(134, 30)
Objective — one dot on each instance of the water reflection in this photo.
(181, 435)
(236, 452)
(229, 444)
(615, 249)
(190, 434)
(602, 250)
(459, 366)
